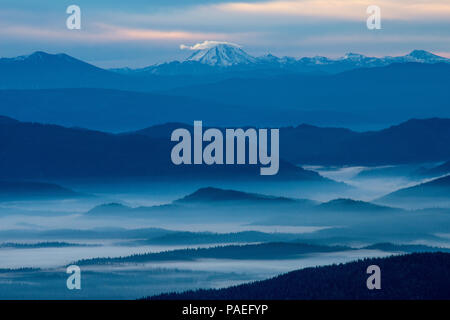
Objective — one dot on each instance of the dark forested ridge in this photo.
(52, 244)
(264, 251)
(412, 141)
(60, 152)
(34, 151)
(415, 276)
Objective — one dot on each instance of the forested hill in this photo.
(414, 276)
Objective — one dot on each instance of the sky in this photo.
(138, 33)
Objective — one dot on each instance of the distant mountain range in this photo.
(42, 68)
(41, 87)
(37, 151)
(234, 204)
(344, 220)
(344, 281)
(228, 203)
(228, 57)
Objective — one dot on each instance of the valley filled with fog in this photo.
(170, 235)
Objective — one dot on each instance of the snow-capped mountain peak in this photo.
(215, 53)
(423, 56)
(353, 56)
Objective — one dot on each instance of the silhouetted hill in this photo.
(7, 120)
(418, 276)
(14, 190)
(435, 189)
(121, 211)
(34, 151)
(210, 194)
(265, 251)
(43, 70)
(110, 209)
(350, 205)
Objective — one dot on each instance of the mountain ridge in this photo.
(33, 151)
(261, 96)
(411, 141)
(35, 190)
(219, 57)
(227, 55)
(341, 282)
(225, 195)
(415, 141)
(236, 200)
(434, 188)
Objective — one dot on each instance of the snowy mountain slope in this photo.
(220, 54)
